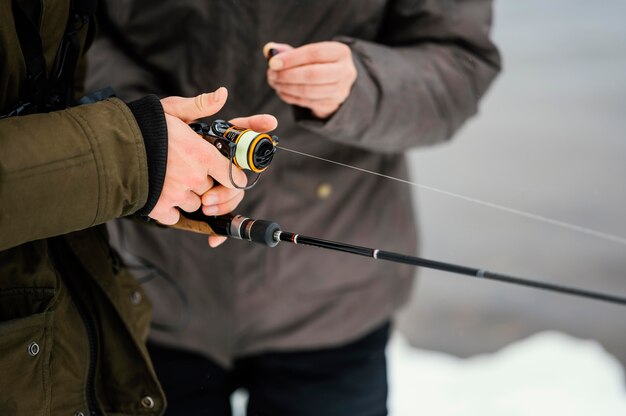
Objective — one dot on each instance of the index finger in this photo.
(261, 123)
(312, 53)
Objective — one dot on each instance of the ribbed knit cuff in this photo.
(148, 112)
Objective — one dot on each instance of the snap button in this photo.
(135, 297)
(33, 349)
(324, 190)
(147, 402)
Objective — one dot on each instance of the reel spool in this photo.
(244, 148)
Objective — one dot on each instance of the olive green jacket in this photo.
(72, 323)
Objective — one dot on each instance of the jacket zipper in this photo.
(90, 389)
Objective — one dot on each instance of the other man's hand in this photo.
(317, 76)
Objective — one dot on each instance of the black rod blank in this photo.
(448, 267)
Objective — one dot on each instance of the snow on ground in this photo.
(549, 373)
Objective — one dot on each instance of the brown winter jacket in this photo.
(72, 323)
(422, 67)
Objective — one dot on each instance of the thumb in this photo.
(190, 109)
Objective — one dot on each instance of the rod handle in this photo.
(200, 227)
(197, 222)
(234, 226)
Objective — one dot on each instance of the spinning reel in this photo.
(244, 148)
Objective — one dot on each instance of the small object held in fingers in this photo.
(271, 53)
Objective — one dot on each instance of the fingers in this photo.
(216, 240)
(312, 92)
(221, 200)
(322, 108)
(319, 52)
(201, 185)
(260, 123)
(191, 203)
(219, 168)
(278, 47)
(316, 74)
(193, 108)
(165, 215)
(218, 201)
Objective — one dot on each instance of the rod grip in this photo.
(239, 227)
(197, 222)
(200, 227)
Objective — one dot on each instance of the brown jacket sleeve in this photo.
(68, 170)
(420, 81)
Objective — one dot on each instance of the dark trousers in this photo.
(349, 380)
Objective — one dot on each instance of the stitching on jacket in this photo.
(82, 122)
(46, 168)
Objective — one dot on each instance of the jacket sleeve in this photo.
(420, 81)
(69, 170)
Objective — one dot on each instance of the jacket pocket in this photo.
(25, 345)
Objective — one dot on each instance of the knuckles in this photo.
(197, 181)
(313, 75)
(346, 51)
(166, 215)
(317, 52)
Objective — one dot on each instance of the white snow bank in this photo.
(547, 374)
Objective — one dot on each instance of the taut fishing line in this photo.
(540, 218)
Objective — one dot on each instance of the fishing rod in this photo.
(269, 233)
(253, 151)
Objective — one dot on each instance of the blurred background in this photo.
(550, 139)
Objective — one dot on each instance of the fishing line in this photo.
(539, 218)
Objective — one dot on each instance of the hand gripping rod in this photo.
(269, 233)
